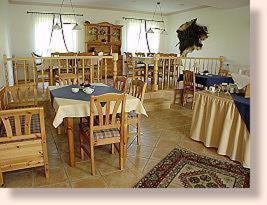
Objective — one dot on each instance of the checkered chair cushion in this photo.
(100, 134)
(131, 115)
(35, 125)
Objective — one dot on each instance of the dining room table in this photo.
(208, 80)
(69, 105)
(221, 120)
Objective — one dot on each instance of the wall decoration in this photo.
(190, 36)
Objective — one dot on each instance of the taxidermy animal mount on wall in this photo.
(190, 36)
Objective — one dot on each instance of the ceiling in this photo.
(144, 6)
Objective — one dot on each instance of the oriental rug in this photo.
(183, 168)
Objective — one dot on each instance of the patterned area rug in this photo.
(182, 168)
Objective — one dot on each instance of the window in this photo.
(136, 40)
(48, 41)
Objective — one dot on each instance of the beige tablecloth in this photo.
(77, 108)
(217, 123)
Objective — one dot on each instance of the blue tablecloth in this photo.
(209, 80)
(66, 93)
(243, 106)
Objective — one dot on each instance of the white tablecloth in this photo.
(77, 108)
(241, 80)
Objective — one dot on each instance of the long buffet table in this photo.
(218, 123)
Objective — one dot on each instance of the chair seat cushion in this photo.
(99, 134)
(34, 127)
(131, 115)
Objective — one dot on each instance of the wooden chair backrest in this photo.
(2, 99)
(150, 54)
(138, 89)
(128, 55)
(18, 124)
(189, 78)
(68, 79)
(223, 72)
(140, 54)
(247, 91)
(120, 83)
(21, 95)
(106, 107)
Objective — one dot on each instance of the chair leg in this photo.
(184, 99)
(80, 145)
(121, 161)
(112, 149)
(47, 172)
(175, 94)
(138, 129)
(92, 155)
(1, 179)
(59, 130)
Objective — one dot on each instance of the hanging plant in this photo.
(190, 36)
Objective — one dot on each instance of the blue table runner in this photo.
(243, 106)
(210, 80)
(66, 92)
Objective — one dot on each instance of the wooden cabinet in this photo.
(104, 37)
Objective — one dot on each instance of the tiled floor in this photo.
(162, 131)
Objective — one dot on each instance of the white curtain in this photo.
(136, 37)
(45, 44)
(154, 38)
(42, 31)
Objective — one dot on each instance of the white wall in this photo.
(229, 34)
(4, 37)
(22, 31)
(228, 28)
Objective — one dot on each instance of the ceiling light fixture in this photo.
(163, 30)
(57, 26)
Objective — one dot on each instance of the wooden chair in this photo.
(120, 83)
(223, 72)
(22, 140)
(107, 129)
(137, 89)
(140, 54)
(247, 91)
(68, 79)
(133, 70)
(21, 96)
(2, 99)
(189, 87)
(150, 54)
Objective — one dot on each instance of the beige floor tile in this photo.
(121, 179)
(140, 151)
(109, 165)
(82, 170)
(138, 163)
(96, 182)
(54, 161)
(18, 179)
(149, 165)
(59, 185)
(161, 152)
(57, 175)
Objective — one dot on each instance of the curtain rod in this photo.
(48, 13)
(125, 18)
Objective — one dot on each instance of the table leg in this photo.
(70, 141)
(1, 179)
(125, 136)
